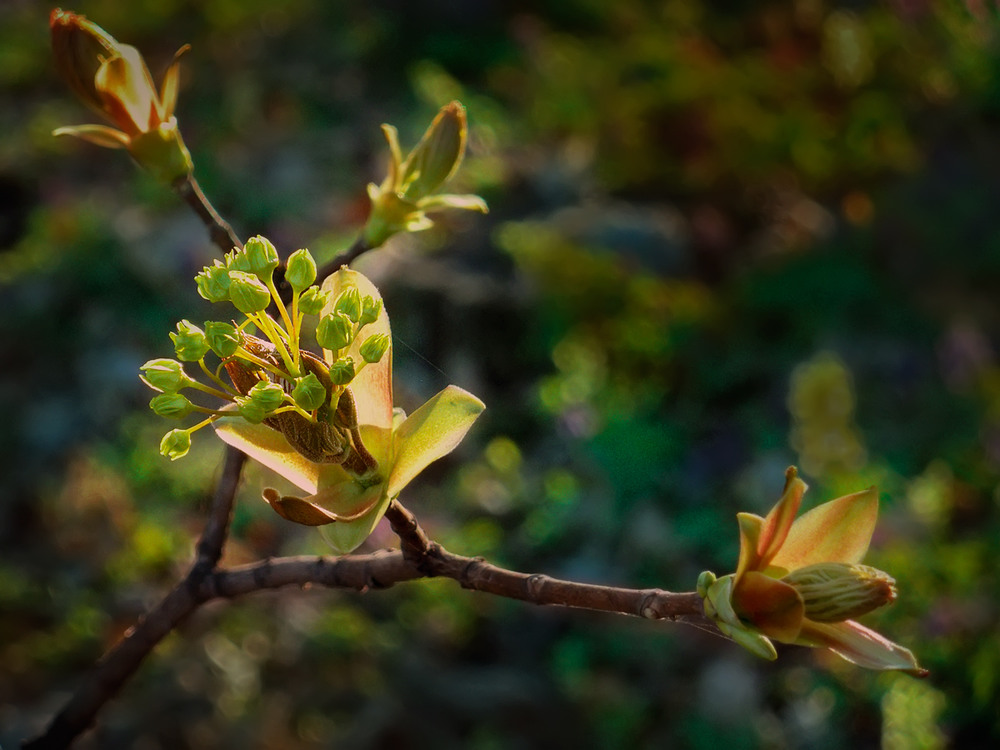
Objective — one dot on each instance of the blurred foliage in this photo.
(724, 238)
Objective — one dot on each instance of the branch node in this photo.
(535, 583)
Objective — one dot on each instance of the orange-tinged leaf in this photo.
(296, 509)
(171, 86)
(429, 433)
(837, 531)
(126, 89)
(774, 608)
(99, 135)
(778, 522)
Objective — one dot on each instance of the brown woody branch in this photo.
(419, 558)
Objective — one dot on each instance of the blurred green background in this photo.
(725, 238)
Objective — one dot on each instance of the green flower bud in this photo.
(213, 282)
(175, 444)
(313, 300)
(261, 257)
(165, 375)
(300, 271)
(834, 592)
(334, 332)
(251, 410)
(309, 393)
(247, 293)
(349, 304)
(171, 405)
(190, 343)
(223, 338)
(342, 371)
(370, 309)
(269, 395)
(237, 260)
(374, 347)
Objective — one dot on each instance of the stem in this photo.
(214, 377)
(221, 234)
(268, 326)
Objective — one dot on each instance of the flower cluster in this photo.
(799, 581)
(112, 79)
(326, 423)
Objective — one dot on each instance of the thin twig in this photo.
(219, 231)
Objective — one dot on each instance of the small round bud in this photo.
(261, 257)
(213, 282)
(165, 375)
(349, 304)
(175, 444)
(252, 411)
(237, 260)
(300, 271)
(171, 405)
(190, 343)
(269, 395)
(223, 338)
(313, 300)
(309, 393)
(334, 332)
(247, 293)
(370, 309)
(374, 347)
(342, 371)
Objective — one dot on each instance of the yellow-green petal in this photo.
(836, 531)
(347, 537)
(429, 433)
(270, 448)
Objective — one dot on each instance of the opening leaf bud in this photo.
(834, 592)
(247, 293)
(171, 405)
(213, 282)
(301, 270)
(438, 154)
(370, 309)
(309, 393)
(342, 371)
(261, 257)
(334, 331)
(349, 304)
(374, 347)
(313, 300)
(190, 343)
(223, 338)
(269, 395)
(165, 375)
(175, 444)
